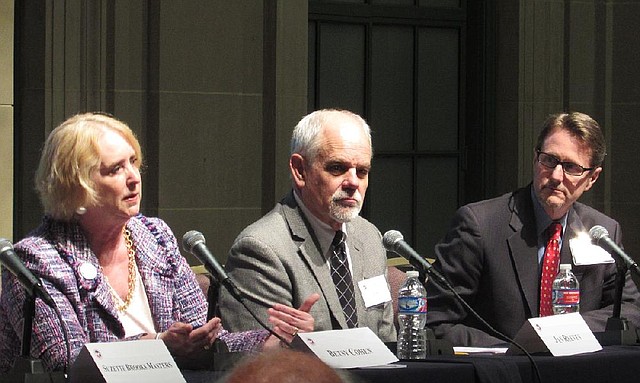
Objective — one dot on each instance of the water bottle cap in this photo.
(565, 266)
(413, 274)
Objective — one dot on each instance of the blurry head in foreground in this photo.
(283, 366)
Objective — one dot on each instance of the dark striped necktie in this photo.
(342, 279)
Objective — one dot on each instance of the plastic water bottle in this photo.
(412, 317)
(565, 292)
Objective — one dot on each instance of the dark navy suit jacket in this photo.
(490, 256)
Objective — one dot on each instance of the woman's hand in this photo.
(182, 339)
(288, 322)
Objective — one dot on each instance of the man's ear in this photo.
(593, 177)
(296, 165)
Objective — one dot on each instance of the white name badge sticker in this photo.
(127, 361)
(586, 253)
(349, 348)
(374, 291)
(566, 334)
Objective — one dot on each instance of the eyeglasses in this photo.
(551, 162)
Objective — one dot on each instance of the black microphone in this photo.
(394, 241)
(600, 236)
(31, 284)
(193, 242)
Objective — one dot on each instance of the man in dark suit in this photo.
(494, 253)
(291, 252)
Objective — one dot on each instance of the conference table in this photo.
(619, 364)
(611, 364)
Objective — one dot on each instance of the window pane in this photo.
(389, 199)
(438, 87)
(339, 1)
(392, 2)
(436, 193)
(392, 90)
(340, 67)
(440, 3)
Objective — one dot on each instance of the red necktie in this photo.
(549, 268)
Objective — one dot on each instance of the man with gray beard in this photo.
(314, 240)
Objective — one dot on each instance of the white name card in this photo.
(566, 334)
(129, 361)
(349, 348)
(586, 253)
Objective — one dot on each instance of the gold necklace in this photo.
(132, 273)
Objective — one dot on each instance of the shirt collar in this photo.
(542, 219)
(324, 233)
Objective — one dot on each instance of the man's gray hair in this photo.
(306, 134)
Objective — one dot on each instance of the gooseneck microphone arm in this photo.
(394, 241)
(34, 289)
(600, 237)
(617, 322)
(193, 242)
(31, 284)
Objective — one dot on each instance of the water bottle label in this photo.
(412, 305)
(566, 297)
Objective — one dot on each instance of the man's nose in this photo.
(351, 179)
(558, 172)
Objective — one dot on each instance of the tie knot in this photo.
(555, 229)
(338, 239)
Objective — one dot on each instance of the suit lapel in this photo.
(574, 226)
(523, 248)
(310, 252)
(358, 257)
(356, 250)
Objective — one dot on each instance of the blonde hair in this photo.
(70, 155)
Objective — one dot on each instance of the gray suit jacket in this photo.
(490, 257)
(278, 260)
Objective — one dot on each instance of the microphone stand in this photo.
(219, 358)
(440, 281)
(618, 330)
(25, 368)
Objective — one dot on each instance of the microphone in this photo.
(600, 236)
(394, 241)
(31, 284)
(193, 242)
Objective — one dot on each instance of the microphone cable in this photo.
(193, 238)
(494, 330)
(66, 337)
(29, 306)
(390, 241)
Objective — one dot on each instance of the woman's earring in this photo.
(81, 210)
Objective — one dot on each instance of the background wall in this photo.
(213, 89)
(550, 56)
(6, 119)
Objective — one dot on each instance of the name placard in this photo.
(566, 334)
(349, 348)
(128, 361)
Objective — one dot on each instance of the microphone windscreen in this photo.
(390, 238)
(190, 239)
(598, 232)
(5, 245)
